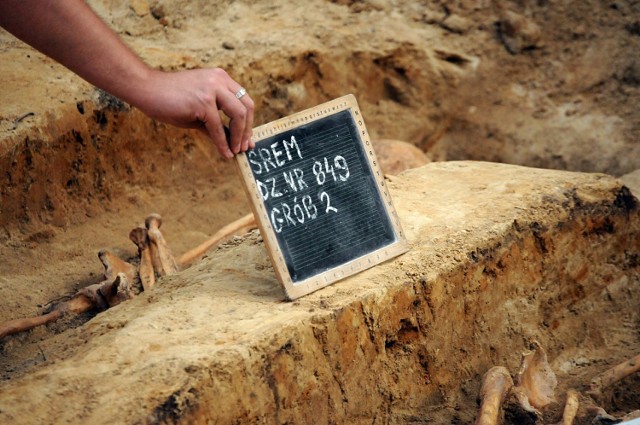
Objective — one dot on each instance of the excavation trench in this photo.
(501, 256)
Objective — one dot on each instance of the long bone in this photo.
(496, 385)
(613, 375)
(140, 238)
(570, 408)
(159, 247)
(241, 225)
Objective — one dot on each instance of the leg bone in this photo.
(570, 408)
(159, 246)
(495, 386)
(147, 276)
(80, 303)
(242, 224)
(613, 375)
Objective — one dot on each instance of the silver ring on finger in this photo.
(241, 92)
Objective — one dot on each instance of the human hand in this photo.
(194, 99)
(71, 33)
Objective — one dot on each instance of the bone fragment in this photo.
(160, 252)
(109, 293)
(535, 377)
(495, 386)
(116, 287)
(570, 408)
(117, 291)
(78, 304)
(243, 224)
(20, 325)
(140, 237)
(603, 418)
(635, 414)
(613, 375)
(113, 266)
(519, 407)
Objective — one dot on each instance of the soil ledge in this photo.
(500, 256)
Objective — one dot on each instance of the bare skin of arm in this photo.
(72, 34)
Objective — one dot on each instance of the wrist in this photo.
(141, 86)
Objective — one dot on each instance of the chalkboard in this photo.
(319, 197)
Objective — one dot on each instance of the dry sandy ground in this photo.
(545, 84)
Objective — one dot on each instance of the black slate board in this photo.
(319, 197)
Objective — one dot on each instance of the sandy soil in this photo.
(545, 84)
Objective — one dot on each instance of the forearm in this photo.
(71, 33)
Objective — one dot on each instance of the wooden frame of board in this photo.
(319, 197)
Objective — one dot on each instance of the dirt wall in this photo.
(443, 76)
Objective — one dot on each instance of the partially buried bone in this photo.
(160, 252)
(520, 408)
(116, 287)
(613, 375)
(535, 377)
(570, 408)
(113, 266)
(120, 276)
(495, 386)
(109, 293)
(602, 417)
(534, 386)
(243, 224)
(140, 238)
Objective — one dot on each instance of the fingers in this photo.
(230, 98)
(247, 143)
(240, 111)
(239, 107)
(237, 112)
(213, 126)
